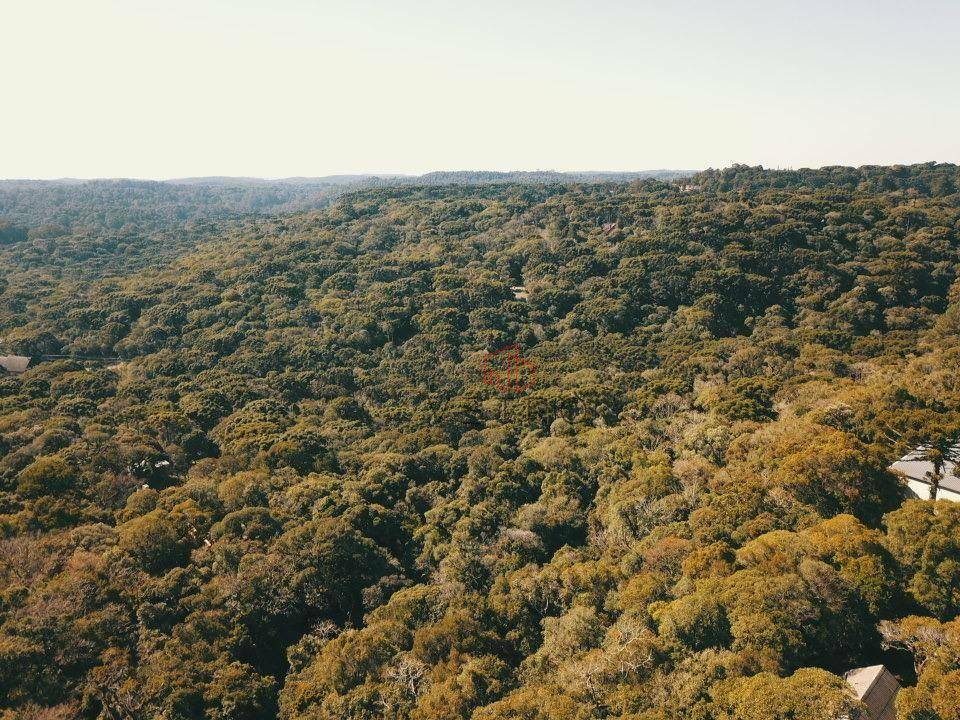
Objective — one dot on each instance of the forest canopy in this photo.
(254, 470)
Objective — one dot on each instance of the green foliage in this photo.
(935, 647)
(808, 694)
(45, 476)
(10, 233)
(925, 539)
(294, 496)
(744, 398)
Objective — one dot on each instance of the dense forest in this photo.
(54, 207)
(289, 489)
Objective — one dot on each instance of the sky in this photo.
(277, 88)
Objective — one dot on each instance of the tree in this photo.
(808, 694)
(49, 475)
(10, 233)
(924, 538)
(155, 540)
(935, 647)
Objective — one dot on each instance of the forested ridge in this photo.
(296, 497)
(53, 208)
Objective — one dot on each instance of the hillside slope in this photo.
(300, 496)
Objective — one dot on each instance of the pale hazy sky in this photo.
(172, 88)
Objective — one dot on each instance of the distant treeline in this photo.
(927, 179)
(53, 207)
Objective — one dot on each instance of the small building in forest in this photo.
(918, 472)
(877, 688)
(14, 364)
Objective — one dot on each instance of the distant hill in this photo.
(75, 204)
(446, 177)
(479, 177)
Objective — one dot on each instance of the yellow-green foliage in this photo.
(294, 496)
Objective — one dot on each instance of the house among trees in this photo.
(918, 468)
(14, 364)
(876, 688)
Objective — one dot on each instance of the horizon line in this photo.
(404, 175)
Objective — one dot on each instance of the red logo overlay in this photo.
(507, 371)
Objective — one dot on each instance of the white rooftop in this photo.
(862, 679)
(916, 469)
(14, 363)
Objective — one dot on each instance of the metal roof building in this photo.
(918, 472)
(876, 688)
